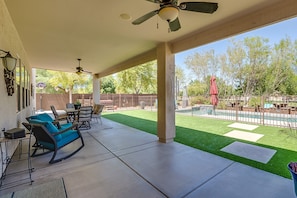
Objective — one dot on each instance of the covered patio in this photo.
(54, 35)
(119, 161)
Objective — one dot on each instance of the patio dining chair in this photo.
(97, 110)
(59, 117)
(50, 138)
(85, 117)
(69, 105)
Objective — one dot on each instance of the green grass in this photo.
(207, 134)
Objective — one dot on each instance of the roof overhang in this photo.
(55, 33)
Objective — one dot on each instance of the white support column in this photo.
(33, 80)
(166, 100)
(96, 89)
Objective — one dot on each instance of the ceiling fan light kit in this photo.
(168, 13)
(169, 10)
(79, 69)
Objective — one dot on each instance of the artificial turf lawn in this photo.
(207, 134)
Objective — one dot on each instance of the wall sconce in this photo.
(9, 64)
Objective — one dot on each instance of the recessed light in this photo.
(125, 16)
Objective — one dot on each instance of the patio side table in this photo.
(6, 159)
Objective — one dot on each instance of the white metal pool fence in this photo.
(261, 116)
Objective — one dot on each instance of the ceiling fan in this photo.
(79, 69)
(169, 11)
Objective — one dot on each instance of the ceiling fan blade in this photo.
(174, 25)
(78, 68)
(145, 17)
(155, 1)
(205, 7)
(174, 2)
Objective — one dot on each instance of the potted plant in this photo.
(77, 104)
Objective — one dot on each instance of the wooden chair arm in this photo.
(75, 125)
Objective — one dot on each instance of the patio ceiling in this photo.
(55, 33)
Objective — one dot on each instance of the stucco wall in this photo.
(10, 41)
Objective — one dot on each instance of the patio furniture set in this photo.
(51, 135)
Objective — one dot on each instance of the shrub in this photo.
(254, 101)
(199, 100)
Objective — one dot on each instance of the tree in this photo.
(203, 64)
(245, 65)
(257, 60)
(249, 67)
(180, 79)
(139, 79)
(108, 85)
(280, 75)
(232, 64)
(64, 82)
(42, 76)
(196, 88)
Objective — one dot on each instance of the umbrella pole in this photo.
(214, 109)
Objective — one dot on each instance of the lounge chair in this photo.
(49, 137)
(97, 110)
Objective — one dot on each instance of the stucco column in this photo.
(33, 80)
(96, 89)
(166, 103)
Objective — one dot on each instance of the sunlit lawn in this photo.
(207, 134)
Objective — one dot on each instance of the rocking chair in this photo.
(49, 137)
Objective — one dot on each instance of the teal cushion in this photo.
(36, 121)
(43, 117)
(68, 137)
(68, 133)
(65, 126)
(49, 126)
(53, 129)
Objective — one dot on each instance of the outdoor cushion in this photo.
(45, 140)
(96, 109)
(65, 126)
(42, 116)
(47, 117)
(49, 125)
(37, 121)
(68, 136)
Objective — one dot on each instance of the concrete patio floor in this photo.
(119, 161)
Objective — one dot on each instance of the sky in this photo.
(274, 33)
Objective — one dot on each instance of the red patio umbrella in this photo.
(213, 91)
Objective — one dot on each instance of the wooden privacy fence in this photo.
(44, 101)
